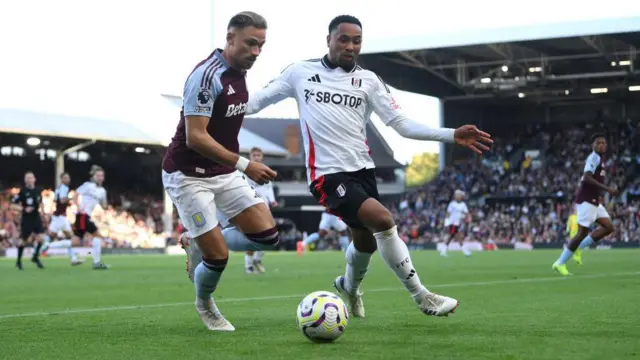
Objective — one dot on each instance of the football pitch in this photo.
(512, 307)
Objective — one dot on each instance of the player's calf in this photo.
(395, 254)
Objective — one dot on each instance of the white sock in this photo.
(465, 249)
(72, 254)
(357, 266)
(62, 244)
(258, 255)
(344, 243)
(395, 253)
(311, 238)
(96, 250)
(248, 261)
(443, 249)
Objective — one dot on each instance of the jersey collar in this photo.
(329, 65)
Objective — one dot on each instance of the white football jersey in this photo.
(264, 191)
(334, 106)
(91, 195)
(456, 212)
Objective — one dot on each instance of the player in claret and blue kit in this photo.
(588, 205)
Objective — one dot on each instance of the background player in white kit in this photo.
(329, 222)
(335, 99)
(88, 196)
(457, 212)
(253, 259)
(59, 222)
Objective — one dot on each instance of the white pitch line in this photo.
(281, 297)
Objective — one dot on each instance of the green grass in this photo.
(512, 307)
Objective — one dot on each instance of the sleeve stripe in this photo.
(208, 73)
(288, 66)
(383, 83)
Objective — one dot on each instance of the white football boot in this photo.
(211, 316)
(434, 304)
(355, 299)
(194, 255)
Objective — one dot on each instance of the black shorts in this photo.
(30, 226)
(84, 225)
(343, 193)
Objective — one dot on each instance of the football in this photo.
(322, 316)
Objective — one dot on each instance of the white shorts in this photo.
(328, 222)
(589, 213)
(59, 223)
(198, 200)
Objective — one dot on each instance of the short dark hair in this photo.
(95, 169)
(246, 19)
(343, 19)
(255, 149)
(598, 135)
(63, 174)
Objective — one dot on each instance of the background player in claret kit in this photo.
(253, 259)
(29, 200)
(60, 223)
(202, 171)
(329, 222)
(335, 100)
(89, 195)
(457, 212)
(589, 208)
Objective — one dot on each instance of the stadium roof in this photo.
(76, 127)
(275, 130)
(544, 63)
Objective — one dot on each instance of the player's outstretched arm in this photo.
(276, 90)
(392, 115)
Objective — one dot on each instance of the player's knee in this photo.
(375, 216)
(265, 240)
(323, 233)
(609, 229)
(380, 221)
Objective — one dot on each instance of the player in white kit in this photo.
(253, 259)
(329, 222)
(457, 212)
(88, 196)
(60, 224)
(336, 98)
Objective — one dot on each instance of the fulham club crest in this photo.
(341, 190)
(356, 83)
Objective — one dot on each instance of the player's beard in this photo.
(248, 62)
(346, 62)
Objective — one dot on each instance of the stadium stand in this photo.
(542, 98)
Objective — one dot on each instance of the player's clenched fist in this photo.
(260, 173)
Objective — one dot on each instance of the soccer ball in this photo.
(322, 316)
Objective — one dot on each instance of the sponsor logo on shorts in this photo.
(198, 219)
(341, 190)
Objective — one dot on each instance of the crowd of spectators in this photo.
(523, 191)
(528, 200)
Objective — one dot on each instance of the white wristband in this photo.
(242, 164)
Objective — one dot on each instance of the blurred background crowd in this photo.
(514, 194)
